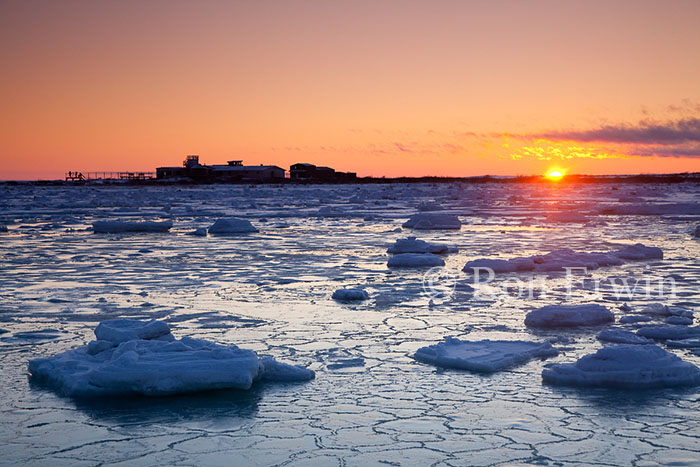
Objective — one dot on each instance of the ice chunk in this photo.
(560, 259)
(120, 226)
(568, 217)
(412, 245)
(433, 220)
(620, 336)
(283, 372)
(154, 364)
(346, 363)
(200, 232)
(122, 330)
(669, 332)
(232, 225)
(500, 265)
(625, 366)
(658, 309)
(693, 343)
(3, 228)
(556, 316)
(414, 260)
(350, 294)
(639, 252)
(634, 319)
(696, 233)
(649, 209)
(484, 356)
(679, 320)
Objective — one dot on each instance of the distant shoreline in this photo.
(687, 177)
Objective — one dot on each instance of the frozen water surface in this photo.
(270, 291)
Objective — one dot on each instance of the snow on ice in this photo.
(484, 356)
(556, 316)
(625, 366)
(138, 357)
(121, 226)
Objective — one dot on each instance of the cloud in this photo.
(681, 131)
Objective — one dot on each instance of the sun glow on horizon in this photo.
(555, 175)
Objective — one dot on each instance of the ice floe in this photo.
(346, 363)
(232, 225)
(139, 357)
(122, 226)
(669, 332)
(200, 232)
(568, 217)
(620, 336)
(679, 320)
(696, 233)
(692, 343)
(415, 260)
(650, 209)
(556, 316)
(656, 309)
(484, 356)
(413, 245)
(350, 295)
(433, 221)
(560, 259)
(631, 319)
(625, 366)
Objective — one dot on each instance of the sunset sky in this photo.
(391, 88)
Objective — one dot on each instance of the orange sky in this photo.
(382, 88)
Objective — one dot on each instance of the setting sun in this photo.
(555, 175)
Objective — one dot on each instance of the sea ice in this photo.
(137, 357)
(433, 220)
(560, 259)
(568, 217)
(484, 356)
(232, 225)
(414, 260)
(669, 332)
(639, 252)
(3, 228)
(556, 316)
(200, 232)
(621, 336)
(121, 226)
(696, 233)
(413, 245)
(692, 343)
(350, 294)
(625, 366)
(634, 319)
(679, 320)
(346, 363)
(651, 209)
(656, 309)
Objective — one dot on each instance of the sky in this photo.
(389, 88)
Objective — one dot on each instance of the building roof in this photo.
(242, 168)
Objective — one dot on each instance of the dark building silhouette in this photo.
(311, 173)
(233, 171)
